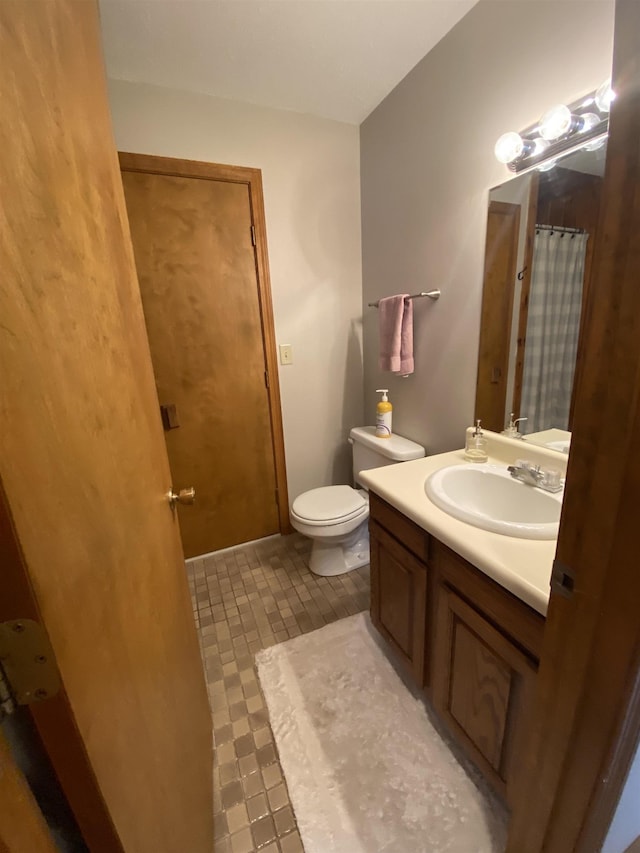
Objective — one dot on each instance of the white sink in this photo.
(487, 496)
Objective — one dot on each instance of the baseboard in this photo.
(232, 548)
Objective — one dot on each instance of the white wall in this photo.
(310, 170)
(427, 165)
(625, 826)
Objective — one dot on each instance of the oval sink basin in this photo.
(487, 496)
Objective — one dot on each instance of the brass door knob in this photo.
(184, 496)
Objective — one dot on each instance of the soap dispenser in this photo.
(512, 429)
(383, 415)
(475, 449)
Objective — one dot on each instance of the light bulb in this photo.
(555, 123)
(509, 147)
(605, 96)
(588, 121)
(546, 167)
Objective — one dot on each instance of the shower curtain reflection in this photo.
(553, 324)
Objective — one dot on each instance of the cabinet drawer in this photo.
(412, 537)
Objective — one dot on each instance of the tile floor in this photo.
(246, 599)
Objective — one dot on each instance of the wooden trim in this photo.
(252, 178)
(23, 828)
(634, 847)
(525, 290)
(586, 722)
(54, 719)
(622, 754)
(152, 165)
(268, 328)
(490, 395)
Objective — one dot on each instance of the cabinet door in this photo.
(398, 599)
(482, 688)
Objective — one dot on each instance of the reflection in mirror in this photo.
(541, 230)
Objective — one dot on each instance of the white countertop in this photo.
(548, 437)
(523, 566)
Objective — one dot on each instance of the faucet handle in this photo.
(552, 478)
(526, 464)
(548, 479)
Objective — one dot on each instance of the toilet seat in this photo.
(336, 519)
(329, 505)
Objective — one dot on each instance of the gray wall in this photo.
(427, 165)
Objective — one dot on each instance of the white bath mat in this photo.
(366, 770)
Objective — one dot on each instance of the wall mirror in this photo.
(541, 229)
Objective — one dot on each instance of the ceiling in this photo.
(332, 58)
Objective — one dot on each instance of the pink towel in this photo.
(396, 333)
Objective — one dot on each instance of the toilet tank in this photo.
(371, 452)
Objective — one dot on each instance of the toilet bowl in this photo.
(336, 518)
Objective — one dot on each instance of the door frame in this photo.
(586, 724)
(252, 179)
(490, 330)
(525, 291)
(23, 828)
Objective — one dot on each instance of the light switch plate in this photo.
(286, 354)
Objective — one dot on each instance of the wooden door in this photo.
(196, 260)
(88, 543)
(22, 826)
(501, 253)
(586, 722)
(399, 599)
(482, 687)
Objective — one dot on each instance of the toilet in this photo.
(336, 518)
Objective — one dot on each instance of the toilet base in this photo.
(329, 558)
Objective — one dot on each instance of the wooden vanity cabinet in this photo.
(483, 684)
(399, 584)
(472, 645)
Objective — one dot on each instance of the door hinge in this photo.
(28, 671)
(266, 379)
(562, 579)
(253, 235)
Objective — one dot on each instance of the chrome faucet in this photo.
(534, 475)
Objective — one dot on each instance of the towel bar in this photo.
(432, 294)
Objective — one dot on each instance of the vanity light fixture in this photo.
(561, 128)
(604, 96)
(511, 146)
(559, 121)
